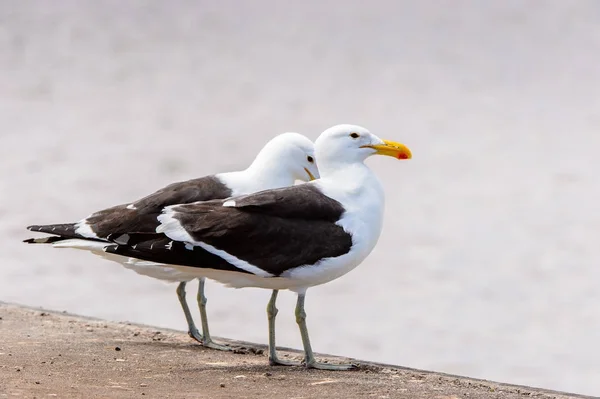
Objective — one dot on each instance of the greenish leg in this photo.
(272, 313)
(206, 339)
(310, 360)
(192, 330)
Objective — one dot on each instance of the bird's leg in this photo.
(309, 359)
(271, 314)
(192, 330)
(206, 339)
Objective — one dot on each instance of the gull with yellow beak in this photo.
(283, 160)
(291, 238)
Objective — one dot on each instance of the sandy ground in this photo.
(488, 262)
(49, 354)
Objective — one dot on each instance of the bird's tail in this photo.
(62, 235)
(45, 240)
(64, 230)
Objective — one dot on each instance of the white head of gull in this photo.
(290, 238)
(283, 160)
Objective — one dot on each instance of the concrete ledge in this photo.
(47, 354)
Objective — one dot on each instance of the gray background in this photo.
(488, 263)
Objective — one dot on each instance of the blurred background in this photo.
(488, 263)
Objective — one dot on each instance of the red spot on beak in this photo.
(402, 156)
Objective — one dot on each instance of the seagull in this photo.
(283, 160)
(289, 238)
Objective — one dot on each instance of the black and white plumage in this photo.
(270, 232)
(291, 238)
(283, 160)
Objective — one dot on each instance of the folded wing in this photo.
(265, 233)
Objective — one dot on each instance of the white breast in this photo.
(362, 197)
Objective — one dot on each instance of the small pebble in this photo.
(268, 374)
(89, 329)
(117, 348)
(222, 385)
(37, 383)
(143, 385)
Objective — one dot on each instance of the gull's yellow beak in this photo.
(310, 175)
(392, 149)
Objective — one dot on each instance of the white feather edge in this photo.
(84, 229)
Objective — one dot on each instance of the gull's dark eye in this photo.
(354, 135)
(310, 159)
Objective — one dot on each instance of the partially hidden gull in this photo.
(283, 160)
(289, 238)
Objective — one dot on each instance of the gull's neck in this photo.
(354, 185)
(257, 177)
(269, 174)
(359, 191)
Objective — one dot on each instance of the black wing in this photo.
(140, 216)
(274, 230)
